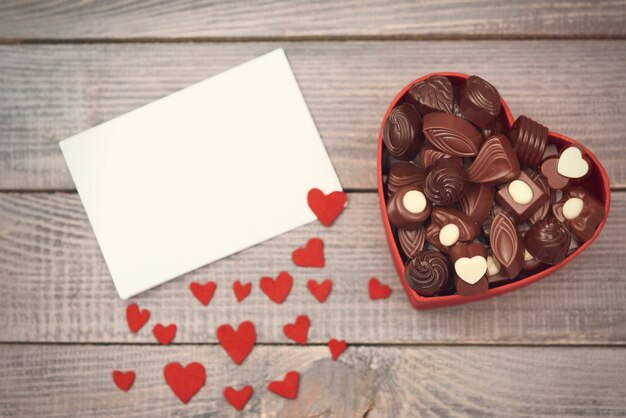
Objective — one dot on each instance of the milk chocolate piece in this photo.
(494, 277)
(495, 163)
(529, 140)
(469, 262)
(507, 245)
(549, 171)
(434, 94)
(404, 174)
(522, 196)
(548, 241)
(445, 181)
(402, 133)
(466, 289)
(408, 208)
(411, 242)
(477, 200)
(449, 226)
(428, 273)
(493, 212)
(580, 212)
(573, 163)
(429, 155)
(452, 134)
(499, 128)
(531, 265)
(544, 209)
(479, 102)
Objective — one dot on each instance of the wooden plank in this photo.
(301, 19)
(56, 288)
(63, 381)
(51, 92)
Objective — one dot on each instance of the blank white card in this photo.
(200, 174)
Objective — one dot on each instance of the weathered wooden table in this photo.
(554, 349)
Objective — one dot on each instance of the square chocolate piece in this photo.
(522, 196)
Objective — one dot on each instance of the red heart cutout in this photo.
(277, 289)
(241, 290)
(136, 318)
(320, 290)
(123, 380)
(377, 290)
(337, 347)
(288, 387)
(312, 255)
(238, 398)
(203, 292)
(164, 335)
(326, 206)
(237, 344)
(185, 382)
(597, 184)
(299, 330)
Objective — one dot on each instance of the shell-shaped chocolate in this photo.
(445, 181)
(507, 246)
(548, 241)
(428, 272)
(495, 163)
(452, 134)
(411, 242)
(479, 102)
(477, 200)
(434, 94)
(402, 132)
(403, 174)
(429, 155)
(545, 208)
(529, 140)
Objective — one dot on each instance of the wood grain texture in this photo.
(63, 381)
(34, 19)
(56, 288)
(54, 91)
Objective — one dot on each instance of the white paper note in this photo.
(200, 174)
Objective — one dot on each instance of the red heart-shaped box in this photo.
(597, 184)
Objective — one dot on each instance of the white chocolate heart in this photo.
(471, 270)
(572, 164)
(449, 235)
(414, 201)
(520, 192)
(493, 266)
(572, 207)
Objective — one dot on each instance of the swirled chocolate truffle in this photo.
(548, 241)
(479, 102)
(428, 272)
(445, 181)
(529, 140)
(402, 133)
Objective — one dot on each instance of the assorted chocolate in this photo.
(473, 204)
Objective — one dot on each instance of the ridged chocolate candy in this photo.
(507, 245)
(479, 102)
(529, 140)
(404, 174)
(428, 272)
(434, 94)
(476, 201)
(452, 134)
(429, 155)
(495, 163)
(548, 241)
(445, 181)
(402, 133)
(411, 242)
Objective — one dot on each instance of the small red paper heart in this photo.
(337, 347)
(299, 330)
(277, 289)
(238, 398)
(288, 387)
(326, 206)
(241, 290)
(320, 290)
(123, 380)
(203, 292)
(237, 344)
(185, 382)
(136, 318)
(164, 335)
(378, 290)
(312, 255)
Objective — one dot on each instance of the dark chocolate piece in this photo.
(495, 210)
(408, 208)
(529, 140)
(531, 265)
(411, 242)
(580, 212)
(449, 226)
(479, 102)
(499, 128)
(495, 163)
(522, 196)
(469, 262)
(402, 133)
(507, 245)
(452, 134)
(445, 181)
(466, 289)
(429, 155)
(544, 209)
(404, 174)
(428, 272)
(573, 163)
(548, 241)
(434, 94)
(477, 200)
(549, 171)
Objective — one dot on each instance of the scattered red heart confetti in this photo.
(185, 382)
(326, 206)
(164, 334)
(238, 398)
(299, 330)
(337, 347)
(237, 344)
(123, 380)
(203, 292)
(241, 290)
(312, 255)
(277, 289)
(288, 387)
(320, 290)
(378, 290)
(136, 318)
